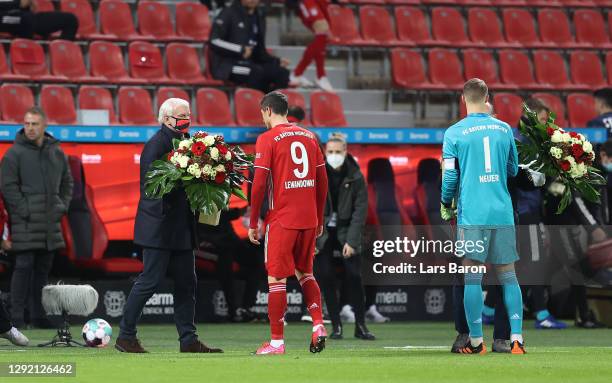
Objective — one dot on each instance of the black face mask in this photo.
(182, 124)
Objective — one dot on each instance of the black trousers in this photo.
(31, 274)
(325, 273)
(265, 77)
(156, 264)
(252, 269)
(501, 326)
(5, 323)
(25, 24)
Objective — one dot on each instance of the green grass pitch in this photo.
(404, 352)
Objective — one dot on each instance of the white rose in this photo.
(220, 168)
(228, 156)
(209, 140)
(557, 137)
(565, 137)
(587, 147)
(183, 161)
(174, 158)
(214, 153)
(556, 152)
(185, 144)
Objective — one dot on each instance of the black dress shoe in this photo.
(589, 322)
(362, 332)
(337, 332)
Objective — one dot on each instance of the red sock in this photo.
(312, 295)
(277, 304)
(314, 51)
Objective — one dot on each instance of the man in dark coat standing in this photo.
(165, 228)
(37, 188)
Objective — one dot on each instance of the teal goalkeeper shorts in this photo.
(497, 246)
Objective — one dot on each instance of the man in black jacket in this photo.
(238, 50)
(165, 229)
(37, 189)
(345, 215)
(22, 19)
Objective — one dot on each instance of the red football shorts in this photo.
(287, 250)
(311, 11)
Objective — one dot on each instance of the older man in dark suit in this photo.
(165, 228)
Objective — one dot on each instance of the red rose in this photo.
(577, 151)
(565, 165)
(198, 148)
(222, 149)
(220, 178)
(550, 131)
(573, 134)
(170, 155)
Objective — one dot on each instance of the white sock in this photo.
(476, 341)
(518, 337)
(276, 343)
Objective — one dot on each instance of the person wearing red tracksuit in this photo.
(315, 17)
(288, 165)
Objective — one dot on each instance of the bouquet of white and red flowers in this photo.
(566, 157)
(207, 168)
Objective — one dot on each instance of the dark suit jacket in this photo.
(166, 223)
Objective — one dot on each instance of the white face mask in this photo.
(335, 160)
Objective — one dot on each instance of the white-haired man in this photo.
(165, 229)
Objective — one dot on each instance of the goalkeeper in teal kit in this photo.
(479, 155)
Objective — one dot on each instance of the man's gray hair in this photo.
(167, 108)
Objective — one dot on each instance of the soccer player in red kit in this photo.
(290, 168)
(314, 16)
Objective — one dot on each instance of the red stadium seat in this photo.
(192, 21)
(555, 27)
(154, 20)
(412, 26)
(84, 13)
(116, 20)
(447, 26)
(146, 62)
(556, 105)
(213, 108)
(295, 98)
(520, 27)
(135, 107)
(590, 28)
(609, 66)
(14, 101)
(165, 93)
(67, 61)
(44, 6)
(326, 109)
(404, 2)
(449, 2)
(445, 69)
(106, 60)
(480, 64)
(508, 107)
(28, 58)
(184, 64)
(246, 105)
(544, 3)
(509, 2)
(585, 67)
(342, 25)
(5, 72)
(408, 70)
(376, 25)
(515, 69)
(94, 97)
(550, 69)
(484, 27)
(58, 102)
(580, 109)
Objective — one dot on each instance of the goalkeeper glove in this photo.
(447, 212)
